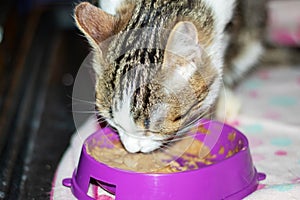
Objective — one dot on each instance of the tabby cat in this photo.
(159, 64)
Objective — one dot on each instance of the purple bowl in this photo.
(232, 176)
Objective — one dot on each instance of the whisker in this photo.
(100, 120)
(188, 134)
(201, 116)
(208, 77)
(111, 127)
(82, 106)
(197, 119)
(81, 100)
(85, 112)
(182, 138)
(83, 103)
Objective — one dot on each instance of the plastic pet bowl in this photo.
(231, 176)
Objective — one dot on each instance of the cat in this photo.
(244, 37)
(159, 64)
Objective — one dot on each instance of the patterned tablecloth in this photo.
(270, 119)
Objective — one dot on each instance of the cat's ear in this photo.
(96, 24)
(183, 52)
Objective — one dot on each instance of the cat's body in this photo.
(245, 33)
(159, 64)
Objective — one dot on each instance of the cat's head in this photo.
(150, 95)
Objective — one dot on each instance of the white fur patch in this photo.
(185, 72)
(134, 144)
(228, 105)
(250, 57)
(121, 113)
(110, 6)
(223, 10)
(132, 137)
(245, 60)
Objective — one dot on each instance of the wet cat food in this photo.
(185, 154)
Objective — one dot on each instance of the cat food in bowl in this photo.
(214, 163)
(184, 154)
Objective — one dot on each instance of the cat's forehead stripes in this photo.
(137, 51)
(160, 14)
(157, 15)
(135, 79)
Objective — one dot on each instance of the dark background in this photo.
(40, 54)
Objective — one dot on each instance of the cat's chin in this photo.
(135, 144)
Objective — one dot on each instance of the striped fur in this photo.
(150, 85)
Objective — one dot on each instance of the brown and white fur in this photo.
(159, 63)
